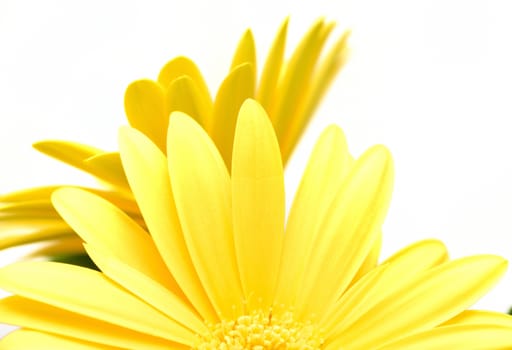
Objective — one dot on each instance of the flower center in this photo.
(262, 331)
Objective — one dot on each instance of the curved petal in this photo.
(142, 160)
(184, 66)
(235, 89)
(91, 294)
(29, 339)
(31, 314)
(107, 166)
(151, 291)
(321, 79)
(347, 232)
(467, 337)
(22, 231)
(475, 317)
(184, 95)
(294, 85)
(105, 226)
(72, 153)
(86, 158)
(400, 269)
(371, 260)
(328, 165)
(427, 300)
(245, 52)
(202, 194)
(272, 69)
(146, 110)
(258, 204)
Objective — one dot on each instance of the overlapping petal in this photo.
(218, 267)
(289, 90)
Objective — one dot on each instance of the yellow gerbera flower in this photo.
(289, 91)
(221, 270)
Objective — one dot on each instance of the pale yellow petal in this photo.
(355, 301)
(347, 232)
(475, 317)
(272, 69)
(24, 339)
(90, 159)
(403, 266)
(147, 289)
(321, 80)
(427, 300)
(328, 165)
(183, 66)
(29, 194)
(20, 231)
(102, 224)
(184, 95)
(89, 293)
(29, 208)
(371, 259)
(202, 193)
(107, 166)
(72, 153)
(467, 337)
(234, 90)
(142, 160)
(258, 204)
(146, 110)
(31, 314)
(245, 52)
(295, 84)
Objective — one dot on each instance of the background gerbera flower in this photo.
(290, 90)
(221, 270)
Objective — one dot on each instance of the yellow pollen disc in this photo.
(262, 331)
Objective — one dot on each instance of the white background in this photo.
(430, 79)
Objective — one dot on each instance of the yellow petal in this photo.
(354, 302)
(184, 95)
(399, 270)
(183, 66)
(347, 232)
(467, 337)
(234, 90)
(32, 208)
(72, 153)
(203, 204)
(145, 107)
(147, 289)
(102, 224)
(294, 85)
(272, 69)
(29, 339)
(20, 231)
(245, 52)
(476, 317)
(258, 204)
(108, 167)
(371, 259)
(31, 314)
(29, 194)
(328, 165)
(89, 293)
(321, 79)
(427, 300)
(87, 158)
(142, 160)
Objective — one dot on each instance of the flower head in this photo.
(289, 90)
(220, 269)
